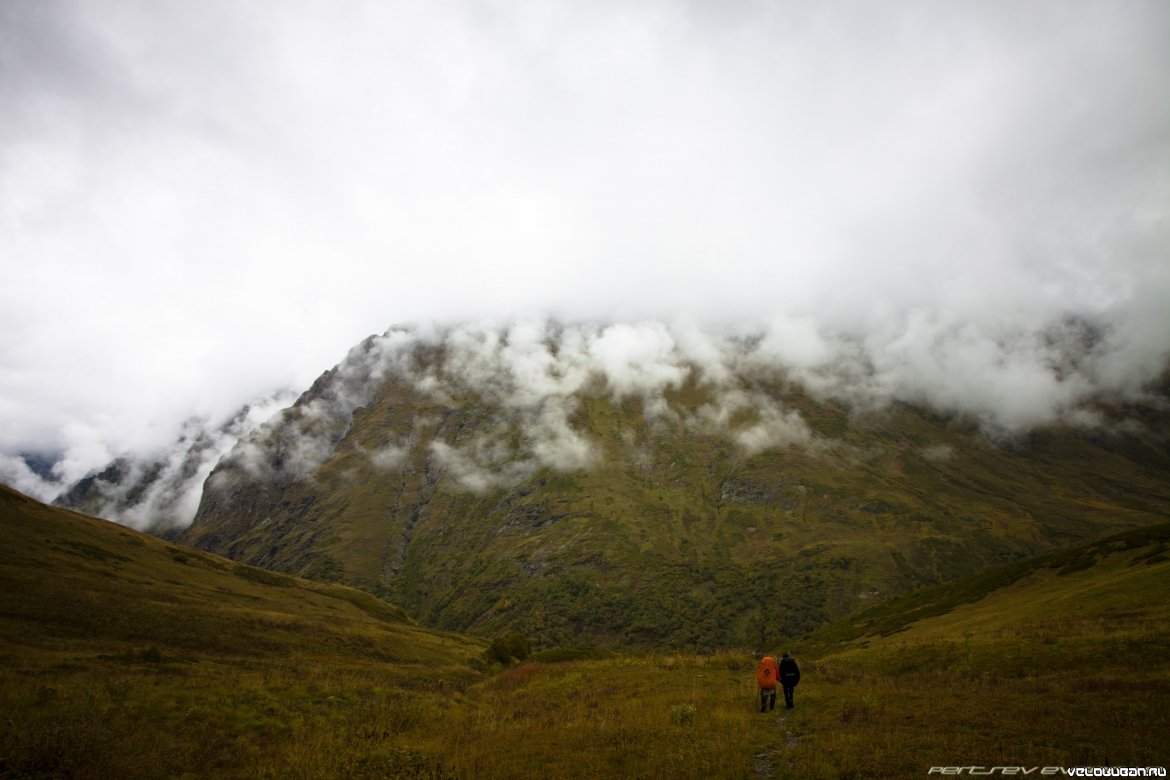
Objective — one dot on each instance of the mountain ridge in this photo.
(586, 491)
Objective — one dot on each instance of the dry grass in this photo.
(645, 717)
(120, 660)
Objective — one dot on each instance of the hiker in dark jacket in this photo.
(789, 677)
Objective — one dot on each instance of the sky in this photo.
(202, 203)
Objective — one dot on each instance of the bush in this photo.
(504, 650)
(682, 714)
(554, 655)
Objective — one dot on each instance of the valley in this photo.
(129, 656)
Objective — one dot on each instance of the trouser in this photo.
(767, 699)
(788, 691)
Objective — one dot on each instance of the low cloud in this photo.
(160, 490)
(483, 465)
(531, 377)
(638, 359)
(938, 452)
(389, 457)
(910, 202)
(555, 444)
(534, 374)
(752, 420)
(16, 473)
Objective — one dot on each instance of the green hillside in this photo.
(1057, 660)
(1026, 584)
(126, 656)
(675, 534)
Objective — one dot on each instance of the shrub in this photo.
(682, 714)
(504, 650)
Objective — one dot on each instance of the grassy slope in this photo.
(1147, 545)
(1058, 661)
(1063, 662)
(676, 538)
(124, 655)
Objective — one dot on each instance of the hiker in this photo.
(789, 677)
(766, 677)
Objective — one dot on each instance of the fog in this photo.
(962, 204)
(531, 376)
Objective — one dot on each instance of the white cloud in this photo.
(200, 202)
(776, 428)
(638, 359)
(484, 465)
(938, 452)
(15, 473)
(753, 420)
(389, 457)
(796, 342)
(556, 444)
(85, 451)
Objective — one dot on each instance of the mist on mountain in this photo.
(894, 199)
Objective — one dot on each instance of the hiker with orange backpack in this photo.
(767, 677)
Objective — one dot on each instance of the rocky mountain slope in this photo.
(627, 486)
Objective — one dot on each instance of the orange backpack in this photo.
(768, 673)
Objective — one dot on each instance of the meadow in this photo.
(126, 656)
(889, 714)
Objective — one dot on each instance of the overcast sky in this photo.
(203, 201)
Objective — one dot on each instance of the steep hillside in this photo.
(1061, 660)
(649, 495)
(127, 656)
(1118, 583)
(72, 586)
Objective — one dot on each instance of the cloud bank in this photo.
(528, 378)
(961, 204)
(158, 489)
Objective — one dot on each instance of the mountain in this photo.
(623, 486)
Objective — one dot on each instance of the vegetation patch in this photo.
(149, 655)
(93, 552)
(263, 576)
